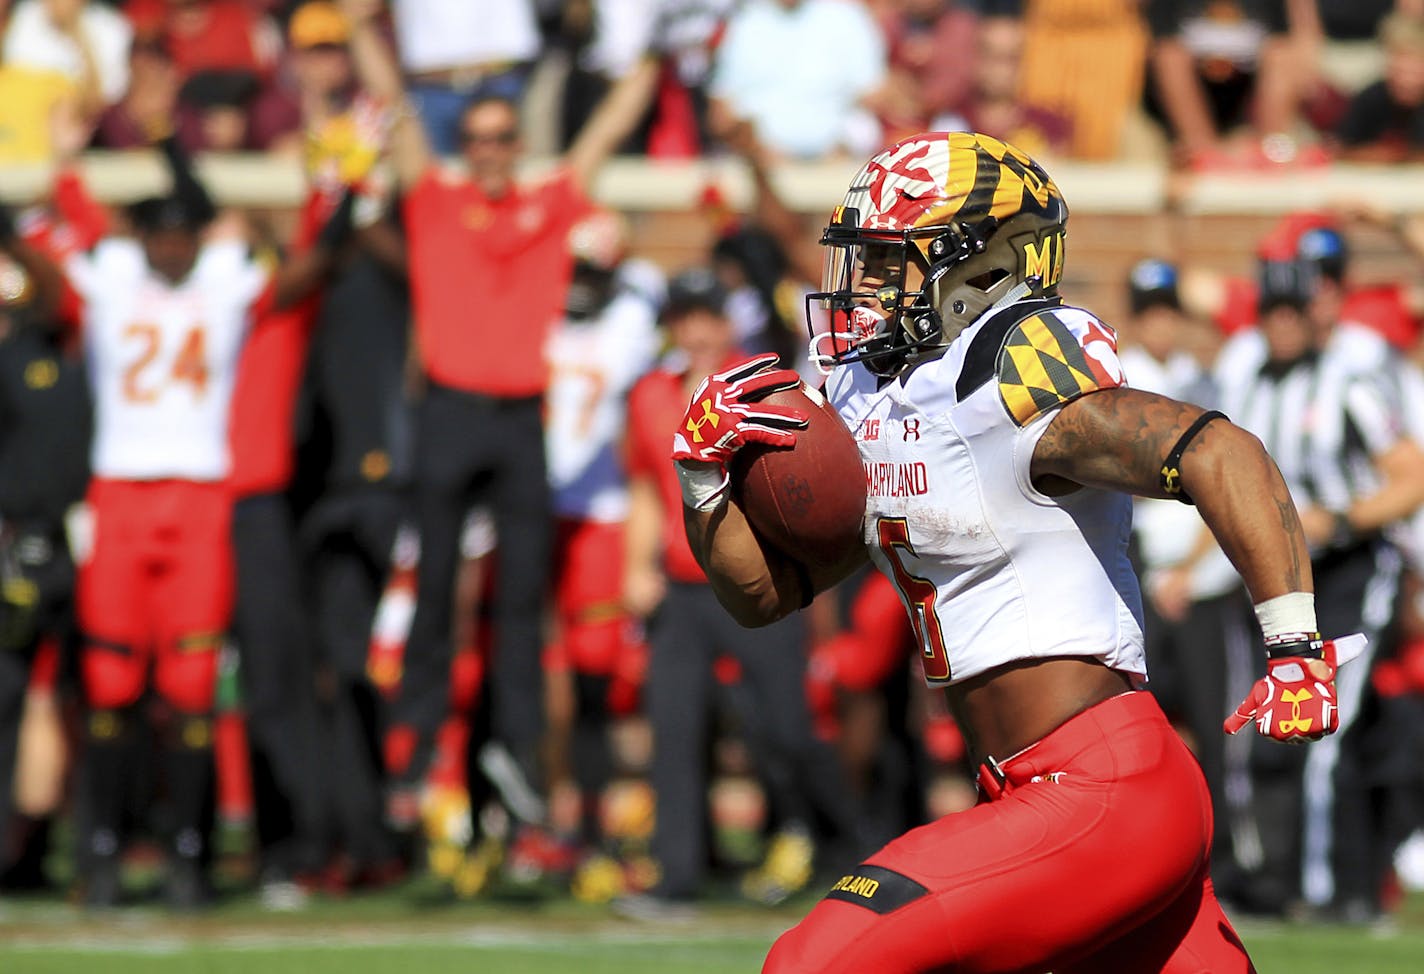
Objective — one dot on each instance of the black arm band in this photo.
(803, 578)
(1171, 475)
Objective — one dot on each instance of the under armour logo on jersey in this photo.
(911, 430)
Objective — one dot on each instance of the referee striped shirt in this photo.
(1320, 420)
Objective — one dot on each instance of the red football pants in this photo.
(1091, 859)
(157, 589)
(594, 630)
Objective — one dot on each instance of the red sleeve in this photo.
(86, 217)
(265, 303)
(639, 458)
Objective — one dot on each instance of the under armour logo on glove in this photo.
(1295, 701)
(724, 416)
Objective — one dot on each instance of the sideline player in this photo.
(606, 341)
(164, 321)
(951, 344)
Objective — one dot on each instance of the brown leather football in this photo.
(808, 501)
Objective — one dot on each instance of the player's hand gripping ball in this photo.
(808, 501)
(782, 449)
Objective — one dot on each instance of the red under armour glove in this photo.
(723, 417)
(1295, 701)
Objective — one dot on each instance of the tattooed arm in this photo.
(1117, 439)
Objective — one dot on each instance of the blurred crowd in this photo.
(363, 536)
(1209, 85)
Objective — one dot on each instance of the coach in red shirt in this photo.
(688, 631)
(489, 266)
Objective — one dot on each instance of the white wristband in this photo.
(1287, 614)
(704, 485)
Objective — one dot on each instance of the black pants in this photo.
(348, 539)
(802, 777)
(277, 683)
(1193, 666)
(478, 449)
(37, 557)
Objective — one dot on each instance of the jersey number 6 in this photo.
(893, 533)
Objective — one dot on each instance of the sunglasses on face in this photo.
(505, 137)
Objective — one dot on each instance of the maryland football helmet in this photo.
(980, 220)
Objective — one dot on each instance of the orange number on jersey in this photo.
(147, 336)
(919, 593)
(594, 379)
(190, 365)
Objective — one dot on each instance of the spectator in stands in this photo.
(213, 35)
(993, 105)
(1222, 66)
(489, 266)
(1083, 59)
(680, 34)
(931, 46)
(804, 73)
(86, 42)
(29, 102)
(457, 52)
(317, 83)
(217, 103)
(1385, 122)
(152, 93)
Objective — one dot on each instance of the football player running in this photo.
(950, 350)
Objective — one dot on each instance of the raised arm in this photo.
(379, 74)
(46, 279)
(611, 122)
(784, 224)
(303, 272)
(1120, 439)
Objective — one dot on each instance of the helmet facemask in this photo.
(880, 322)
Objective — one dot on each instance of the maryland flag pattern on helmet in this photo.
(943, 177)
(1053, 357)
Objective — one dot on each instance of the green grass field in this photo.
(399, 931)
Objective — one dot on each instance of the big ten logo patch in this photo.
(870, 430)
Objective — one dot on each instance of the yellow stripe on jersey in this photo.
(1041, 366)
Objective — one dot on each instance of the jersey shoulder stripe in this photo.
(982, 356)
(1053, 357)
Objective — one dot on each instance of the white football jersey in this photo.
(593, 364)
(162, 357)
(990, 569)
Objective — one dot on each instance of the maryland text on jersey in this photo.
(991, 570)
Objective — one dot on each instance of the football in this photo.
(808, 501)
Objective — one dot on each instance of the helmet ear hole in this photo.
(987, 280)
